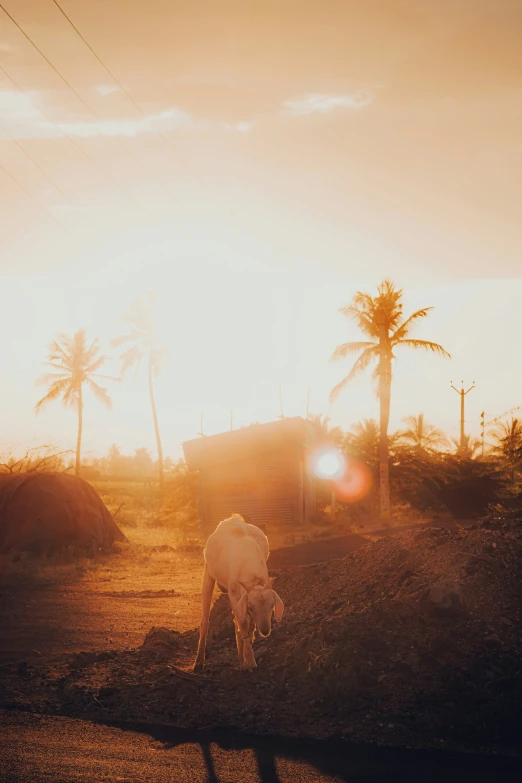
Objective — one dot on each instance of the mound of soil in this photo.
(411, 640)
(47, 511)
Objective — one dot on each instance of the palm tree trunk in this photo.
(80, 429)
(384, 398)
(156, 425)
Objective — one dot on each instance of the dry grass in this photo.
(151, 517)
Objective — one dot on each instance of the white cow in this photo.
(235, 558)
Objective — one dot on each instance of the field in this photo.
(73, 603)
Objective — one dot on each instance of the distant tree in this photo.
(422, 436)
(144, 343)
(363, 441)
(468, 487)
(508, 445)
(380, 318)
(76, 364)
(113, 459)
(143, 462)
(469, 449)
(323, 432)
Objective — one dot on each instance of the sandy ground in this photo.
(107, 605)
(112, 603)
(41, 749)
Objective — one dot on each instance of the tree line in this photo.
(76, 364)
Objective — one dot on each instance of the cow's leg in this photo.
(206, 596)
(239, 643)
(249, 662)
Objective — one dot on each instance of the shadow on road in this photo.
(341, 761)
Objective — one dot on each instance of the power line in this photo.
(79, 148)
(35, 162)
(64, 80)
(33, 198)
(129, 96)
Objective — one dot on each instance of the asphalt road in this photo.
(34, 749)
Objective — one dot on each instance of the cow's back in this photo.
(227, 544)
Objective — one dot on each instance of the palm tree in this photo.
(144, 343)
(363, 440)
(508, 436)
(323, 431)
(468, 448)
(75, 364)
(422, 436)
(380, 318)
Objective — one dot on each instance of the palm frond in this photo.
(158, 356)
(360, 365)
(52, 377)
(132, 357)
(71, 397)
(100, 393)
(365, 319)
(427, 346)
(130, 337)
(348, 348)
(96, 364)
(401, 332)
(57, 389)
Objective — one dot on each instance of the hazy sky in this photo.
(306, 149)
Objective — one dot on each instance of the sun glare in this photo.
(329, 464)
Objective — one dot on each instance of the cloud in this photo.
(321, 103)
(171, 119)
(17, 107)
(242, 127)
(25, 120)
(107, 89)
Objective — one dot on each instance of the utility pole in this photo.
(384, 396)
(282, 415)
(201, 433)
(482, 430)
(462, 396)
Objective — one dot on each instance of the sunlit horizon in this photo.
(255, 188)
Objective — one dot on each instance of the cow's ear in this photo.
(279, 607)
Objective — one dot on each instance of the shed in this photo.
(259, 471)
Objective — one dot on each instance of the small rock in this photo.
(445, 598)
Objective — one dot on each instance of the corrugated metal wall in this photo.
(267, 487)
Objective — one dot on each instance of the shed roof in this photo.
(246, 442)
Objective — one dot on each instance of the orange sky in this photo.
(312, 148)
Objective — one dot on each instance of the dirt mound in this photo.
(411, 640)
(45, 511)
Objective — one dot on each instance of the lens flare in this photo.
(329, 464)
(355, 484)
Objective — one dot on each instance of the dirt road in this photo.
(112, 604)
(36, 749)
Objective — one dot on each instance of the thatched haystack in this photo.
(47, 511)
